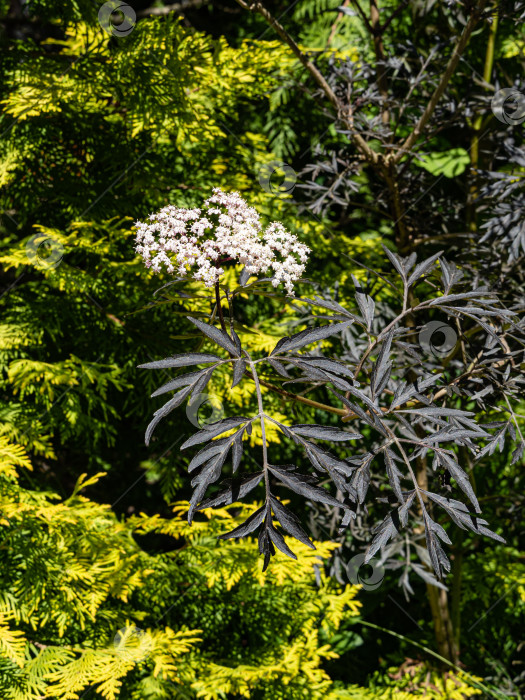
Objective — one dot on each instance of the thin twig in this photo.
(343, 111)
(377, 35)
(339, 17)
(302, 399)
(438, 92)
(358, 7)
(396, 12)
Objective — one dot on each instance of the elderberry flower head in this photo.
(225, 229)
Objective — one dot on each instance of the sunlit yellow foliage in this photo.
(416, 681)
(12, 642)
(81, 568)
(12, 456)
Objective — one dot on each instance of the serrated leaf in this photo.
(324, 462)
(330, 462)
(361, 480)
(163, 412)
(244, 276)
(237, 451)
(296, 482)
(427, 576)
(450, 274)
(278, 367)
(214, 429)
(426, 382)
(382, 367)
(447, 503)
(202, 382)
(279, 542)
(365, 302)
(182, 360)
(364, 398)
(354, 408)
(290, 522)
(402, 394)
(206, 453)
(209, 474)
(248, 526)
(385, 532)
(239, 368)
(322, 375)
(403, 510)
(233, 491)
(462, 517)
(440, 532)
(183, 380)
(412, 350)
(422, 268)
(237, 341)
(265, 544)
(394, 475)
(438, 558)
(518, 453)
(447, 299)
(436, 411)
(322, 432)
(461, 478)
(329, 365)
(310, 335)
(409, 262)
(217, 335)
(330, 305)
(395, 260)
(347, 517)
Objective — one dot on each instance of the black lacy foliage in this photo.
(389, 384)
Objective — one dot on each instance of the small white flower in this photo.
(226, 228)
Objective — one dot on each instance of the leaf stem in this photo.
(219, 307)
(417, 487)
(302, 399)
(513, 417)
(263, 427)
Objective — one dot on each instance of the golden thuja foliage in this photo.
(82, 605)
(85, 609)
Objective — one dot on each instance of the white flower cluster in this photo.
(225, 229)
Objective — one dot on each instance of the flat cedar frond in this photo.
(80, 568)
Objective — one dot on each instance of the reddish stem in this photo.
(219, 307)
